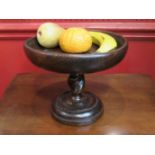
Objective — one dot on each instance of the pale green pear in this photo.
(48, 34)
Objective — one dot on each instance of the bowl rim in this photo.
(80, 55)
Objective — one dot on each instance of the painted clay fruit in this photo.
(48, 34)
(105, 41)
(75, 40)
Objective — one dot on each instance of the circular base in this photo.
(77, 110)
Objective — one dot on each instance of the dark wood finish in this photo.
(55, 59)
(76, 107)
(129, 105)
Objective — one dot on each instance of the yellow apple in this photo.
(48, 34)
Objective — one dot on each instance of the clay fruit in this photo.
(48, 34)
(105, 41)
(75, 40)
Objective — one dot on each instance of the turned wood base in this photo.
(76, 107)
(86, 110)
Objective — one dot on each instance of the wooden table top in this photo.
(129, 104)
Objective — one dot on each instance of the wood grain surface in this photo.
(129, 105)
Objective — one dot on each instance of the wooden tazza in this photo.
(76, 107)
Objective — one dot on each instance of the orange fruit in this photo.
(75, 40)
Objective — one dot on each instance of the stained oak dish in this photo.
(76, 107)
(55, 60)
